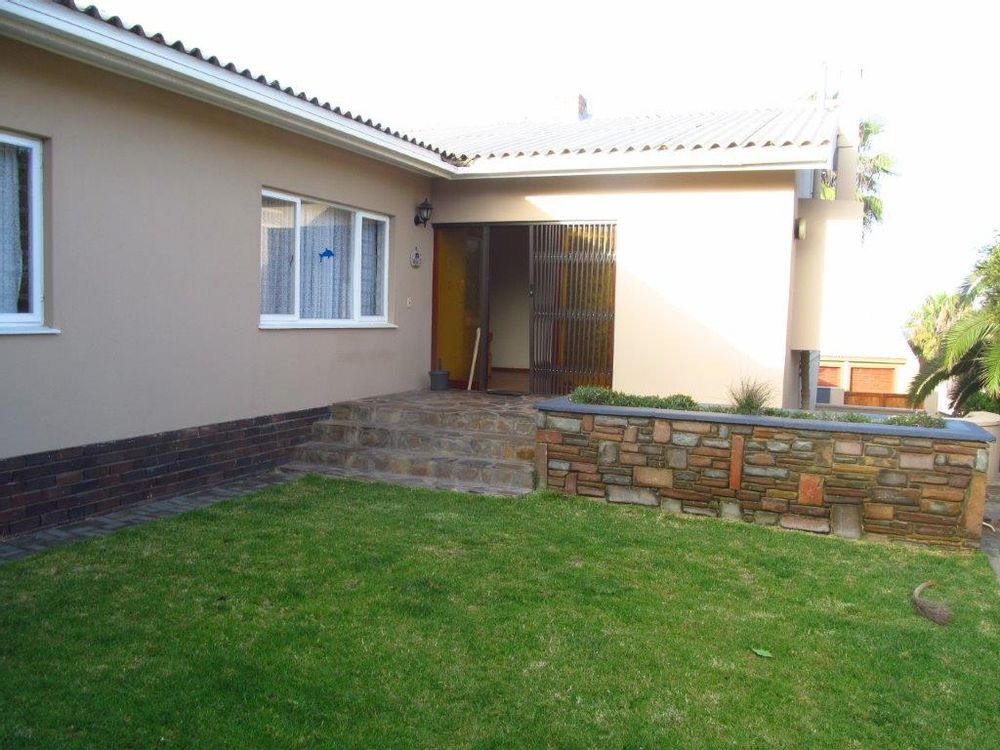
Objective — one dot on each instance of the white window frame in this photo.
(33, 322)
(357, 320)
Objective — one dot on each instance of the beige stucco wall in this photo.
(153, 249)
(832, 230)
(703, 272)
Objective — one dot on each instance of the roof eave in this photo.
(661, 162)
(72, 34)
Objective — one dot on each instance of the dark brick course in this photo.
(48, 488)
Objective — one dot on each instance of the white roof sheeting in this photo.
(744, 138)
(802, 138)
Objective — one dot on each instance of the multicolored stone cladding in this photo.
(846, 483)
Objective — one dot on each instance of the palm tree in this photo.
(871, 169)
(926, 327)
(971, 352)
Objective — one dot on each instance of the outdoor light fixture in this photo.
(800, 229)
(423, 213)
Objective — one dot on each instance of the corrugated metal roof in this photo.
(752, 129)
(761, 138)
(138, 30)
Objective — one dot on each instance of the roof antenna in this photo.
(581, 108)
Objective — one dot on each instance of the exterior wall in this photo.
(920, 489)
(153, 251)
(51, 487)
(831, 229)
(703, 269)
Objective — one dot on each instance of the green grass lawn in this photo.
(336, 614)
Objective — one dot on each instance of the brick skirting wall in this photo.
(44, 489)
(826, 478)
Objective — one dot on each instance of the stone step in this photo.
(390, 415)
(439, 441)
(407, 480)
(372, 461)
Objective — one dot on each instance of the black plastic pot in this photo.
(439, 380)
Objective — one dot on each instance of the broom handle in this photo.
(475, 356)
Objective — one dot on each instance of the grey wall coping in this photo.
(957, 429)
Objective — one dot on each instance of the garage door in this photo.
(873, 379)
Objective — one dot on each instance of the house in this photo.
(864, 380)
(186, 244)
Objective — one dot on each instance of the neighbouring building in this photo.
(185, 244)
(866, 381)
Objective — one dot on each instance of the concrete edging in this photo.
(957, 429)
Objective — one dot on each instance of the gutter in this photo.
(815, 157)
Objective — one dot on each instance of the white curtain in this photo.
(12, 271)
(277, 257)
(326, 262)
(372, 266)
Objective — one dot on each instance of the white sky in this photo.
(930, 74)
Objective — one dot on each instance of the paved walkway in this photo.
(23, 545)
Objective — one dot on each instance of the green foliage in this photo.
(750, 396)
(979, 401)
(916, 420)
(747, 394)
(970, 355)
(927, 326)
(872, 168)
(846, 416)
(608, 397)
(329, 614)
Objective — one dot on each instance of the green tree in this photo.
(872, 168)
(927, 326)
(971, 351)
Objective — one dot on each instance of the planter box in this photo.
(849, 479)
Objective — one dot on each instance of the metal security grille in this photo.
(572, 306)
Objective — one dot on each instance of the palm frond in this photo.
(963, 387)
(976, 327)
(930, 376)
(989, 369)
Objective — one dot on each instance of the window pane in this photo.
(326, 262)
(15, 228)
(372, 267)
(277, 257)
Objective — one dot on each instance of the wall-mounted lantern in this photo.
(799, 232)
(423, 213)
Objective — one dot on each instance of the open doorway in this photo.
(524, 308)
(509, 311)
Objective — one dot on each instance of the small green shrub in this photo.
(916, 420)
(979, 401)
(591, 394)
(846, 416)
(607, 397)
(751, 396)
(747, 394)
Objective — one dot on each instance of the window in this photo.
(21, 274)
(321, 265)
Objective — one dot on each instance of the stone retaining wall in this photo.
(844, 479)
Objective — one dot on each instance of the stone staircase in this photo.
(461, 441)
